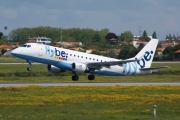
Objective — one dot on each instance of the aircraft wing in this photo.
(154, 68)
(97, 65)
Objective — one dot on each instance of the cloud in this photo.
(118, 16)
(9, 13)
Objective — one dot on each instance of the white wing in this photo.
(97, 65)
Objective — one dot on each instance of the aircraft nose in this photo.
(14, 52)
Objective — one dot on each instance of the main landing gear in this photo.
(76, 78)
(91, 77)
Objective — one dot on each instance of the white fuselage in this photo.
(63, 58)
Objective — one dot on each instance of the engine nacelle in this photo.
(54, 69)
(79, 67)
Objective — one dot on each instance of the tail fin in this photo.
(145, 56)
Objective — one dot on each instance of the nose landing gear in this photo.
(29, 68)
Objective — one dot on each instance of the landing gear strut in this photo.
(75, 77)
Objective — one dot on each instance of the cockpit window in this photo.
(23, 45)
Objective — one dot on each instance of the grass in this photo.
(39, 73)
(97, 103)
(11, 60)
(86, 102)
(148, 78)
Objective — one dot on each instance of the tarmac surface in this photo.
(92, 84)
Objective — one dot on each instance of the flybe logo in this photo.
(57, 54)
(147, 57)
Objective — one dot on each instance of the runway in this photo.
(91, 84)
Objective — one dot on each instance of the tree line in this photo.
(70, 34)
(56, 34)
(92, 39)
(169, 52)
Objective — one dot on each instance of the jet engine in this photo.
(54, 69)
(79, 67)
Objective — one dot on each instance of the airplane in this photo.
(61, 60)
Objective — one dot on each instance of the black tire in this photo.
(29, 69)
(91, 77)
(75, 78)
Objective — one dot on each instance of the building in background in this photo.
(43, 40)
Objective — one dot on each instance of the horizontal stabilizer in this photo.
(154, 68)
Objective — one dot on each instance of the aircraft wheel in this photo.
(75, 78)
(91, 77)
(29, 69)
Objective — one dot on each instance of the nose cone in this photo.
(15, 52)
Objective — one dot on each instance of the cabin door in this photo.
(40, 49)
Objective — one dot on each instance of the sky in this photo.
(161, 16)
